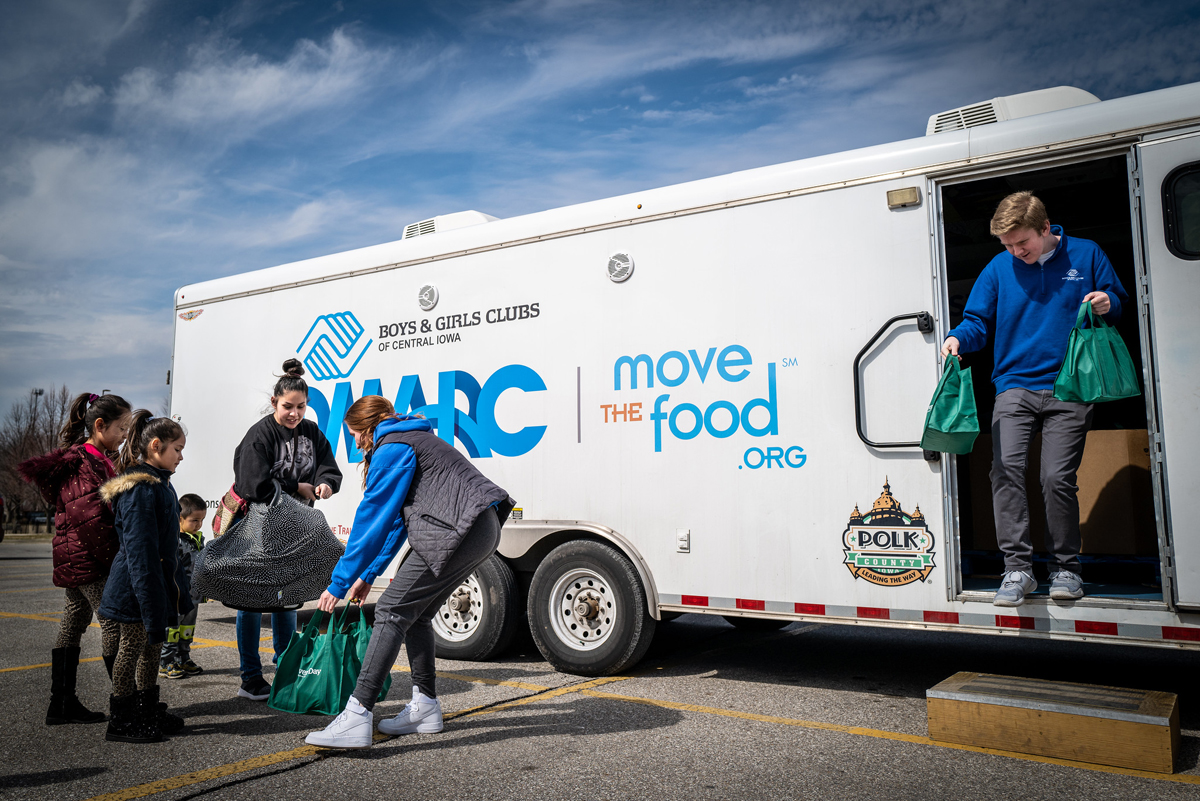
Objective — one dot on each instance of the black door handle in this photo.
(924, 325)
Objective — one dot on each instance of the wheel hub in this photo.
(459, 616)
(583, 609)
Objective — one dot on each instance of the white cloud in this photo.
(79, 93)
(224, 86)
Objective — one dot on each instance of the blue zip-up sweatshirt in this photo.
(379, 528)
(1030, 310)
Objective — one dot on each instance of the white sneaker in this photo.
(422, 716)
(350, 729)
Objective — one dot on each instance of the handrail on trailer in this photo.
(924, 325)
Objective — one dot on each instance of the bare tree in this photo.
(29, 429)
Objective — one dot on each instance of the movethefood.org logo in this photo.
(333, 346)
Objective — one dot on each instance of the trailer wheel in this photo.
(478, 620)
(755, 623)
(587, 610)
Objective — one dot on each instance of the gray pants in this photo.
(404, 613)
(1019, 415)
(178, 647)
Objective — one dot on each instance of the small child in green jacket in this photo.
(176, 661)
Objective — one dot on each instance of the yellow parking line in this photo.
(30, 617)
(520, 685)
(218, 772)
(891, 735)
(529, 699)
(221, 771)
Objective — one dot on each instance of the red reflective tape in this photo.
(1095, 627)
(694, 600)
(810, 609)
(941, 617)
(872, 612)
(1014, 622)
(1180, 633)
(756, 606)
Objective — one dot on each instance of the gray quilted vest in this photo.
(446, 496)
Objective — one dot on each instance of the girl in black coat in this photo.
(141, 593)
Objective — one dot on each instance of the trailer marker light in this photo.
(874, 613)
(1014, 622)
(694, 600)
(1181, 633)
(1095, 627)
(903, 198)
(941, 617)
(754, 606)
(810, 609)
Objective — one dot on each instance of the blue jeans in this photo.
(249, 629)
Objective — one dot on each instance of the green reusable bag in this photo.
(317, 672)
(951, 424)
(1097, 366)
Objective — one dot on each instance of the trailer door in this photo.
(1169, 178)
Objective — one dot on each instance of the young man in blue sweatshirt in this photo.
(1026, 301)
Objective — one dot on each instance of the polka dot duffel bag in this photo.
(278, 556)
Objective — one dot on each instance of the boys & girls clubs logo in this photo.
(336, 343)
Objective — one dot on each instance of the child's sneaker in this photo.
(172, 671)
(191, 668)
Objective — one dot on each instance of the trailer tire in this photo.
(477, 621)
(587, 610)
(755, 623)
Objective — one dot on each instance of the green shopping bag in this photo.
(951, 424)
(317, 672)
(1097, 366)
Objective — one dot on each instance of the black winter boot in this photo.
(130, 723)
(168, 723)
(65, 706)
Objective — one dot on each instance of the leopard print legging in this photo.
(136, 665)
(82, 602)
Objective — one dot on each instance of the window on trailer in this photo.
(1120, 545)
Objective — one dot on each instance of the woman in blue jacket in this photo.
(416, 487)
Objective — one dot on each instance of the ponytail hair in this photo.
(85, 411)
(291, 381)
(363, 415)
(145, 429)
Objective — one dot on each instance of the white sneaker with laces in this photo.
(351, 729)
(422, 716)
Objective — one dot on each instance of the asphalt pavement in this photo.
(812, 711)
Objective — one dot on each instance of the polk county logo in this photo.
(888, 546)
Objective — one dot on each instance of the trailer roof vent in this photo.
(446, 222)
(1010, 107)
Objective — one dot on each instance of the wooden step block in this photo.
(1080, 722)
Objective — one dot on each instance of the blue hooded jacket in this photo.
(379, 529)
(1030, 310)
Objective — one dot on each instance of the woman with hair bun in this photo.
(286, 448)
(85, 542)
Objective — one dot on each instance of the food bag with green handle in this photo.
(952, 424)
(1097, 366)
(317, 672)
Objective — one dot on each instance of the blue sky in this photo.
(147, 144)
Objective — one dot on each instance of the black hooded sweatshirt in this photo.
(291, 456)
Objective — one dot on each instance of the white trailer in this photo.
(707, 397)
